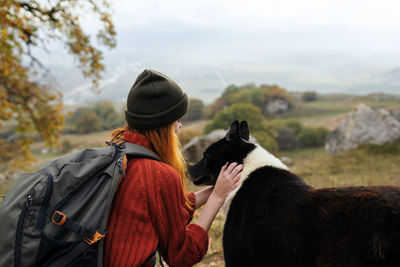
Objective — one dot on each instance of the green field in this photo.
(367, 165)
(328, 110)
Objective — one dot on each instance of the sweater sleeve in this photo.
(180, 243)
(192, 204)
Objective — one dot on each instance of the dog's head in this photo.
(234, 147)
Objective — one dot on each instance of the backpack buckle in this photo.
(94, 238)
(59, 218)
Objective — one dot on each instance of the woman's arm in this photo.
(227, 181)
(202, 196)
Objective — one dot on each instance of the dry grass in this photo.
(367, 165)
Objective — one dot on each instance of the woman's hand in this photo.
(228, 180)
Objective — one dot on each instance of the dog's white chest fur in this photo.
(259, 157)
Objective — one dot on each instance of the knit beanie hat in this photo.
(154, 101)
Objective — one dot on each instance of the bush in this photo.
(256, 121)
(88, 122)
(196, 110)
(290, 134)
(313, 137)
(215, 107)
(287, 139)
(309, 96)
(66, 146)
(277, 124)
(295, 126)
(102, 116)
(110, 119)
(250, 94)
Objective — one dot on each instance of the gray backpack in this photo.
(57, 215)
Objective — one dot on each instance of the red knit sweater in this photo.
(148, 212)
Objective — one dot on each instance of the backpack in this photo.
(57, 215)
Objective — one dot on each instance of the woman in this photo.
(151, 209)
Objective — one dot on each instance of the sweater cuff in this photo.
(201, 237)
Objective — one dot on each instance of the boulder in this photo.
(363, 125)
(193, 151)
(396, 114)
(287, 161)
(277, 106)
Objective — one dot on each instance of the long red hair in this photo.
(166, 144)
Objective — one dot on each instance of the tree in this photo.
(110, 119)
(249, 93)
(309, 96)
(88, 122)
(27, 101)
(215, 107)
(257, 123)
(196, 110)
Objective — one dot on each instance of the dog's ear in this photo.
(233, 131)
(244, 130)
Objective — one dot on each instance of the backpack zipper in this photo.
(20, 226)
(42, 217)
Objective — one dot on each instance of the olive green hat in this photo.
(154, 101)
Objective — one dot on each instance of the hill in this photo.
(367, 165)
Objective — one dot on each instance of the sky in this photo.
(339, 46)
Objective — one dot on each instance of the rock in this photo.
(277, 106)
(396, 114)
(287, 161)
(363, 126)
(193, 151)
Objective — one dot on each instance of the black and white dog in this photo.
(275, 219)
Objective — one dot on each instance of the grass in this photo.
(328, 110)
(367, 165)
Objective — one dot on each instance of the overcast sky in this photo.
(205, 45)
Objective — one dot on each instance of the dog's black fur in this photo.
(276, 219)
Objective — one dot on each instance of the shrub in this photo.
(110, 119)
(287, 139)
(309, 96)
(295, 126)
(88, 122)
(102, 116)
(66, 146)
(276, 124)
(196, 110)
(215, 107)
(252, 114)
(251, 94)
(313, 137)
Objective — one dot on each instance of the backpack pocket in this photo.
(56, 253)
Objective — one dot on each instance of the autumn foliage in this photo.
(29, 103)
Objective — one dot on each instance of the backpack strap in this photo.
(138, 151)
